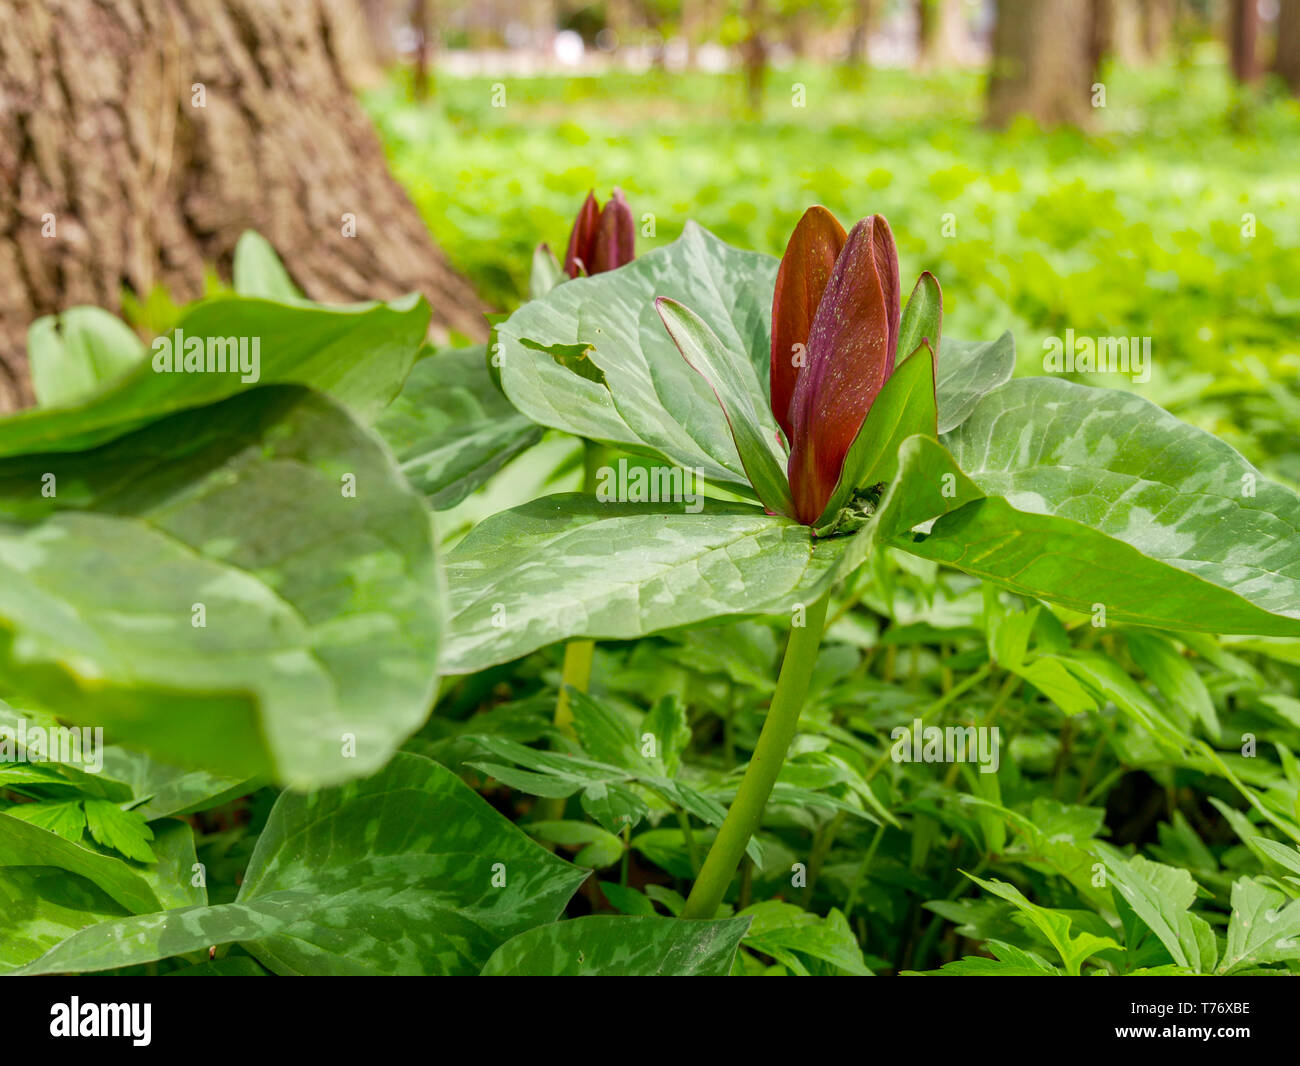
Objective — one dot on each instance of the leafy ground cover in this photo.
(1135, 230)
(391, 683)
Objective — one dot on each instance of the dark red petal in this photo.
(615, 243)
(805, 269)
(886, 256)
(577, 259)
(849, 359)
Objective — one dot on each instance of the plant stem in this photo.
(577, 672)
(760, 776)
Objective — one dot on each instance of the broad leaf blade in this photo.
(410, 871)
(650, 401)
(967, 371)
(609, 946)
(567, 566)
(752, 428)
(77, 352)
(320, 614)
(359, 354)
(450, 427)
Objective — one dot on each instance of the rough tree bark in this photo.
(1041, 62)
(1288, 45)
(139, 138)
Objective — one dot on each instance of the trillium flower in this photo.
(602, 239)
(836, 329)
(835, 317)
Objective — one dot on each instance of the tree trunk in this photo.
(1042, 62)
(754, 51)
(862, 10)
(139, 138)
(939, 32)
(1243, 40)
(1158, 17)
(1288, 44)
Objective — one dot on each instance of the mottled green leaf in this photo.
(567, 566)
(451, 428)
(650, 401)
(1097, 496)
(319, 608)
(40, 906)
(968, 370)
(607, 946)
(410, 872)
(753, 429)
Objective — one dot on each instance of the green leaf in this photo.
(43, 906)
(135, 889)
(144, 938)
(568, 566)
(1162, 896)
(66, 819)
(360, 354)
(258, 271)
(786, 932)
(77, 352)
(1265, 926)
(123, 831)
(1285, 855)
(604, 946)
(1074, 948)
(903, 408)
(410, 872)
(599, 848)
(627, 900)
(753, 428)
(1009, 961)
(968, 370)
(545, 272)
(922, 317)
(321, 609)
(1174, 676)
(451, 428)
(1141, 519)
(650, 401)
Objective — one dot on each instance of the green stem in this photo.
(577, 673)
(778, 731)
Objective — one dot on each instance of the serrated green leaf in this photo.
(123, 831)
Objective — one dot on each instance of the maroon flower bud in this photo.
(851, 342)
(601, 239)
